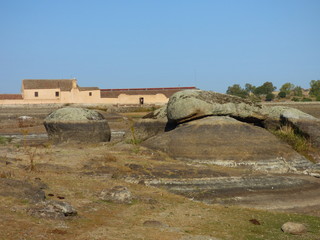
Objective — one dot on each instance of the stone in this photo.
(304, 123)
(143, 129)
(160, 114)
(150, 125)
(53, 209)
(212, 190)
(21, 190)
(77, 125)
(193, 104)
(294, 228)
(228, 142)
(118, 194)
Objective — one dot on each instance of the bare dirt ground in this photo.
(193, 205)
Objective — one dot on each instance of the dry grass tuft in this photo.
(297, 141)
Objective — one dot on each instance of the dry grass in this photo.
(298, 142)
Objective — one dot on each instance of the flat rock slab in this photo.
(288, 193)
(211, 190)
(21, 190)
(228, 142)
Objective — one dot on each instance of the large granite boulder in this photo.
(228, 142)
(193, 104)
(306, 124)
(77, 125)
(150, 125)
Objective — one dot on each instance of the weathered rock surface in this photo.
(77, 125)
(304, 123)
(118, 194)
(21, 190)
(147, 128)
(228, 142)
(192, 104)
(215, 189)
(150, 125)
(53, 209)
(294, 228)
(160, 114)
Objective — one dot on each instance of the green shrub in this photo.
(306, 99)
(295, 99)
(282, 95)
(4, 140)
(270, 97)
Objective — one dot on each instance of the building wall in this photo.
(90, 96)
(73, 96)
(83, 97)
(43, 94)
(147, 99)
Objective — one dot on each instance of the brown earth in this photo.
(162, 189)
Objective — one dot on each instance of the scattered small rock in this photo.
(294, 228)
(118, 194)
(53, 209)
(254, 221)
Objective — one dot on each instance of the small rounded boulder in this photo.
(77, 125)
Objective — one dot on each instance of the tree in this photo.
(287, 88)
(249, 88)
(297, 91)
(236, 90)
(282, 95)
(269, 97)
(265, 88)
(315, 88)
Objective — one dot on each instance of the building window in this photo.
(36, 94)
(57, 94)
(141, 100)
(90, 94)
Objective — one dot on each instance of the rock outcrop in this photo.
(118, 194)
(53, 209)
(228, 142)
(193, 104)
(77, 125)
(21, 190)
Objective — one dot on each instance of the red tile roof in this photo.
(114, 93)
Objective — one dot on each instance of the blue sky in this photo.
(209, 44)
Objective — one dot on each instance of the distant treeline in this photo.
(287, 91)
